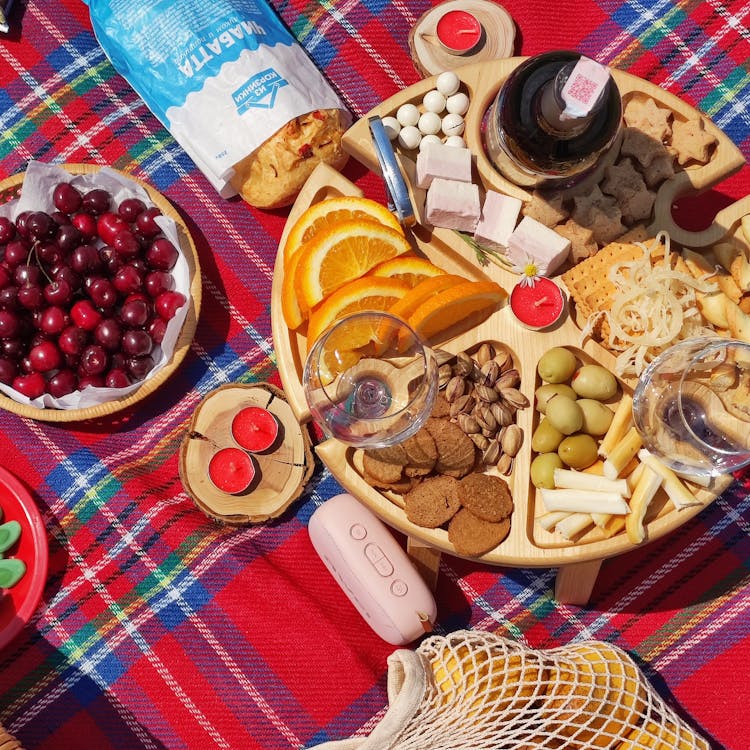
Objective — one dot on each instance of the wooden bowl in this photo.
(9, 189)
(281, 473)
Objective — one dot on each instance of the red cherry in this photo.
(10, 325)
(85, 315)
(162, 255)
(45, 357)
(62, 383)
(108, 225)
(126, 244)
(116, 378)
(145, 223)
(130, 208)
(73, 340)
(85, 224)
(31, 385)
(168, 303)
(53, 320)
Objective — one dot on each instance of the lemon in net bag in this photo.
(472, 690)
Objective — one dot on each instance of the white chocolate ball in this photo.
(453, 124)
(458, 104)
(447, 83)
(409, 137)
(427, 139)
(429, 123)
(455, 141)
(392, 127)
(434, 101)
(407, 114)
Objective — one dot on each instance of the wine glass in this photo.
(369, 380)
(691, 406)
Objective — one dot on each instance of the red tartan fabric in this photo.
(160, 629)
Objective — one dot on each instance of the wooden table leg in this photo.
(575, 582)
(426, 560)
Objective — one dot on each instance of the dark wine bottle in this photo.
(553, 118)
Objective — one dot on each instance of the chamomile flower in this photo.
(528, 271)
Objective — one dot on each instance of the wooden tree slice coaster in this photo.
(281, 473)
(431, 58)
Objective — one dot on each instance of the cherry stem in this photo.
(33, 251)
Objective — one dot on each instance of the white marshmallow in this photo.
(499, 216)
(438, 160)
(453, 205)
(427, 140)
(455, 141)
(532, 240)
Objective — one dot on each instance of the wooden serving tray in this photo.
(527, 545)
(9, 189)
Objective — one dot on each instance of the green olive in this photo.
(545, 438)
(597, 417)
(545, 392)
(557, 365)
(578, 451)
(594, 381)
(564, 414)
(543, 470)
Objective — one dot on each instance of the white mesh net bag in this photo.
(472, 690)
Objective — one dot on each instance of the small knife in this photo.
(398, 192)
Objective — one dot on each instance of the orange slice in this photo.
(294, 314)
(340, 254)
(456, 309)
(423, 291)
(329, 213)
(366, 293)
(409, 268)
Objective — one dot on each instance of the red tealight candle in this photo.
(538, 305)
(458, 31)
(231, 470)
(255, 429)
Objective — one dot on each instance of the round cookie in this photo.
(472, 537)
(456, 453)
(432, 502)
(421, 454)
(486, 496)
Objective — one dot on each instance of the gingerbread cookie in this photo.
(486, 496)
(600, 214)
(645, 115)
(472, 537)
(546, 208)
(691, 142)
(432, 502)
(624, 182)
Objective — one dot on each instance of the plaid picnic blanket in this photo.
(159, 628)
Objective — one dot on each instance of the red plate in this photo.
(18, 604)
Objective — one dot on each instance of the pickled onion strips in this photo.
(654, 306)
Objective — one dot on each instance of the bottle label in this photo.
(583, 88)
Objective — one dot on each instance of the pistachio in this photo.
(502, 413)
(508, 379)
(485, 418)
(480, 440)
(505, 464)
(468, 423)
(491, 454)
(504, 359)
(455, 388)
(512, 440)
(445, 373)
(486, 394)
(514, 397)
(462, 405)
(464, 364)
(484, 354)
(489, 373)
(488, 433)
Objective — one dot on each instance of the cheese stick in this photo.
(648, 485)
(614, 526)
(601, 519)
(621, 422)
(567, 479)
(584, 501)
(573, 525)
(622, 454)
(549, 520)
(677, 492)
